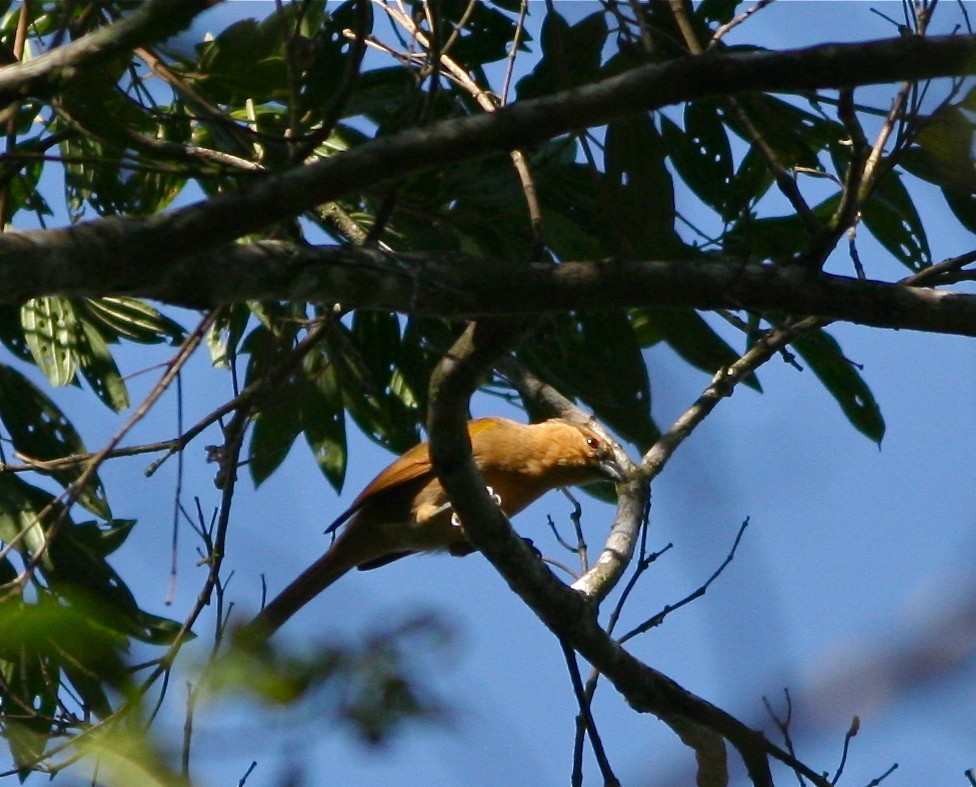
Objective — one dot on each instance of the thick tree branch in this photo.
(564, 611)
(110, 244)
(455, 285)
(154, 20)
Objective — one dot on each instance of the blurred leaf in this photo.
(125, 757)
(372, 686)
(842, 380)
(687, 333)
(41, 431)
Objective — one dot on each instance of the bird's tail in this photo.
(341, 557)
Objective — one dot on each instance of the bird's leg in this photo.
(456, 520)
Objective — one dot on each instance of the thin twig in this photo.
(848, 737)
(67, 498)
(722, 30)
(657, 619)
(609, 779)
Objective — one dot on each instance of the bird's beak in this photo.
(612, 470)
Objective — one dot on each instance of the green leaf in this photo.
(79, 571)
(750, 183)
(41, 431)
(328, 51)
(275, 430)
(387, 96)
(891, 217)
(376, 408)
(484, 32)
(98, 368)
(225, 336)
(132, 319)
(246, 61)
(775, 238)
(20, 508)
(103, 540)
(377, 335)
(944, 151)
(842, 380)
(640, 194)
(595, 357)
(571, 55)
(323, 419)
(690, 336)
(795, 135)
(963, 206)
(701, 153)
(51, 332)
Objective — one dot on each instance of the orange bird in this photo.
(405, 509)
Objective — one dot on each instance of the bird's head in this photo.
(583, 448)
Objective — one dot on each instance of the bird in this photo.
(405, 510)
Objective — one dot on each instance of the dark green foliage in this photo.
(596, 358)
(843, 381)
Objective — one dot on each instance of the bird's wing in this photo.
(414, 464)
(411, 466)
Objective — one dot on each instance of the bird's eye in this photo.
(592, 442)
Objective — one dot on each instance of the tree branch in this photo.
(110, 243)
(459, 286)
(562, 610)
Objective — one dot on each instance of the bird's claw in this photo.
(456, 520)
(494, 496)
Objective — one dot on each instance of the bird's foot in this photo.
(456, 520)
